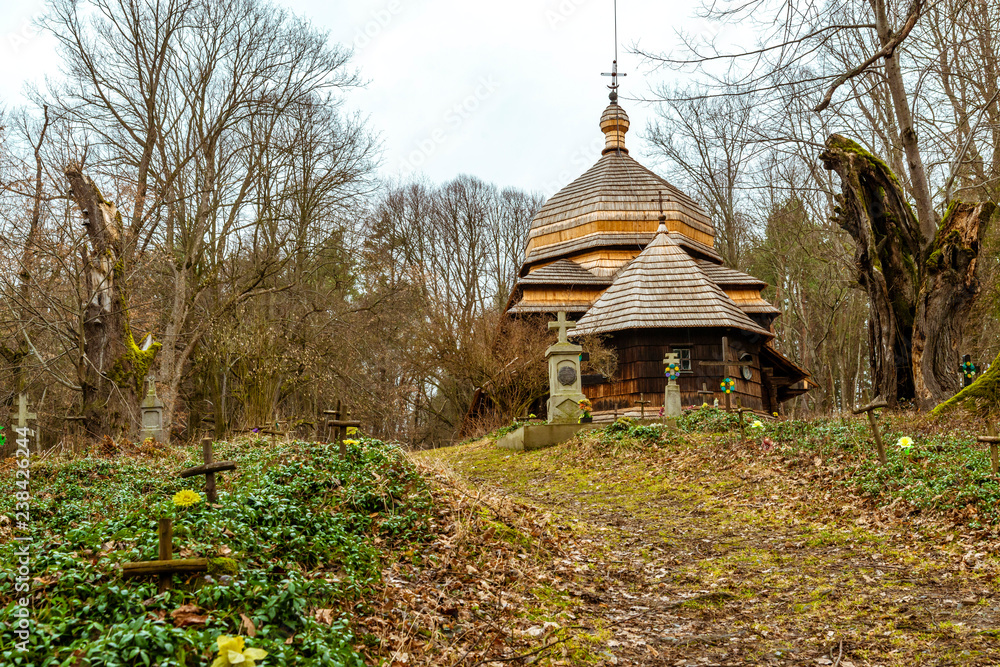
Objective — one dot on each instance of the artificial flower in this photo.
(186, 498)
(232, 653)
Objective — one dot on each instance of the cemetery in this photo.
(713, 385)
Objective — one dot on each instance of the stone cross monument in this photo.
(152, 414)
(565, 392)
(672, 395)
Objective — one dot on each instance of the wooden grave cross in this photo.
(340, 427)
(868, 409)
(563, 325)
(23, 415)
(739, 414)
(726, 364)
(642, 405)
(704, 392)
(166, 566)
(993, 441)
(208, 469)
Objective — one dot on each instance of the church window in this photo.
(685, 355)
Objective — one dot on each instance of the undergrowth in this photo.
(307, 529)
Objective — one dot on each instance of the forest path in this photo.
(706, 554)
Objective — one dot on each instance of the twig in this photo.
(522, 656)
(840, 653)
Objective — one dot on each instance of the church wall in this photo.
(641, 370)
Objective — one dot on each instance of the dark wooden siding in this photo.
(641, 371)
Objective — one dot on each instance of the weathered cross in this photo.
(208, 469)
(22, 412)
(726, 364)
(659, 199)
(704, 392)
(563, 325)
(994, 442)
(340, 427)
(642, 403)
(165, 567)
(868, 409)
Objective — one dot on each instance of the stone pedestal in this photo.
(152, 414)
(565, 389)
(672, 400)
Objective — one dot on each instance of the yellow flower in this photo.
(186, 498)
(775, 414)
(704, 405)
(351, 430)
(351, 442)
(231, 653)
(905, 442)
(756, 424)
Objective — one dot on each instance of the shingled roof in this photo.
(664, 288)
(563, 272)
(723, 276)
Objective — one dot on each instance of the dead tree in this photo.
(920, 287)
(111, 365)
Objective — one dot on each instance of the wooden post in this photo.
(739, 414)
(166, 533)
(869, 409)
(337, 427)
(705, 393)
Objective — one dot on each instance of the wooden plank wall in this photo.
(641, 371)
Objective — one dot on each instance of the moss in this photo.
(220, 566)
(981, 398)
(934, 262)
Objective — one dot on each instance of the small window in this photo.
(685, 355)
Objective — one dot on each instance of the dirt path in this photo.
(702, 555)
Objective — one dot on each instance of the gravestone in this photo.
(152, 414)
(565, 387)
(672, 394)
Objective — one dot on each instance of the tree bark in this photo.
(920, 289)
(112, 367)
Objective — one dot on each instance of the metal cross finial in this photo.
(614, 74)
(562, 324)
(659, 198)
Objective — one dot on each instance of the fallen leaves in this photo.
(187, 615)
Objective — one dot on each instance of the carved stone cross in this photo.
(563, 325)
(672, 358)
(208, 469)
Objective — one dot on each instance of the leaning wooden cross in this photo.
(868, 409)
(208, 469)
(166, 566)
(726, 364)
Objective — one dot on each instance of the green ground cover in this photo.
(307, 530)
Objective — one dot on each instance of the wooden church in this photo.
(632, 258)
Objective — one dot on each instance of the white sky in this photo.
(507, 90)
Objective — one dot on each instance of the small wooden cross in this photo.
(875, 405)
(994, 443)
(340, 427)
(642, 403)
(22, 412)
(208, 469)
(726, 364)
(562, 324)
(165, 567)
(705, 393)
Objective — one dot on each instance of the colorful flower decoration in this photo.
(905, 443)
(968, 369)
(728, 385)
(232, 653)
(673, 370)
(585, 404)
(186, 498)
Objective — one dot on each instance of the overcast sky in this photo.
(507, 90)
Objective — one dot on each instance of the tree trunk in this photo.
(114, 367)
(920, 289)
